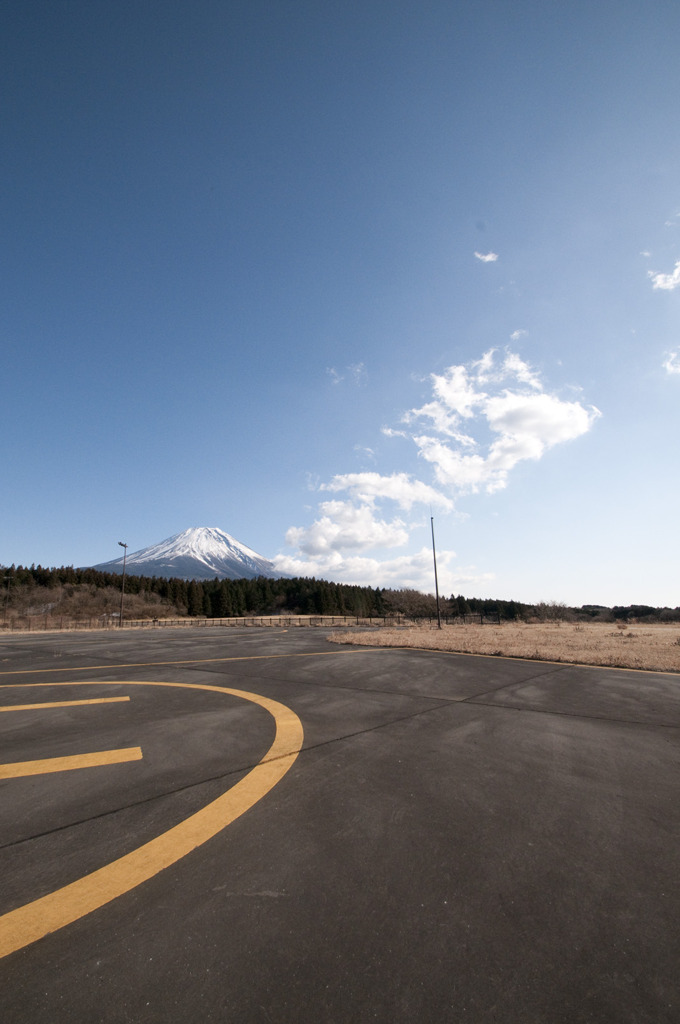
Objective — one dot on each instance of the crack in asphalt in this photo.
(531, 679)
(570, 714)
(439, 702)
(214, 778)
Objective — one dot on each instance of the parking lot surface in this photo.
(255, 825)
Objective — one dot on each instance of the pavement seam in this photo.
(569, 714)
(443, 702)
(507, 686)
(400, 693)
(183, 661)
(131, 806)
(364, 689)
(216, 778)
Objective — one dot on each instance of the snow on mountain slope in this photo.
(206, 544)
(201, 552)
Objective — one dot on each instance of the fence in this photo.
(48, 623)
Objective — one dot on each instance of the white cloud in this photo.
(343, 525)
(487, 257)
(672, 362)
(480, 420)
(457, 392)
(545, 418)
(399, 487)
(524, 374)
(484, 366)
(455, 398)
(528, 421)
(462, 472)
(443, 421)
(413, 570)
(516, 335)
(666, 282)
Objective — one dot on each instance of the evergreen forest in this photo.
(81, 594)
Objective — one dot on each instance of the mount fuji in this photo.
(200, 553)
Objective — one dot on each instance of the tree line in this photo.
(218, 598)
(35, 590)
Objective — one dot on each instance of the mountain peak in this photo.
(201, 552)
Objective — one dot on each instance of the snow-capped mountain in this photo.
(200, 553)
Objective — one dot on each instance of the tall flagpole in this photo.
(436, 584)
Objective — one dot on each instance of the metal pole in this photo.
(122, 589)
(8, 578)
(436, 584)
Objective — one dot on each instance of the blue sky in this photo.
(315, 273)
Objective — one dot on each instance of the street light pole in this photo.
(8, 579)
(436, 584)
(122, 589)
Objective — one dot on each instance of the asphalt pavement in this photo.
(256, 825)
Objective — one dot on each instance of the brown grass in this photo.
(655, 648)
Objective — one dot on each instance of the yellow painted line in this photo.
(187, 661)
(33, 921)
(61, 704)
(20, 769)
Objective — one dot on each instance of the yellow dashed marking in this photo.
(62, 704)
(20, 769)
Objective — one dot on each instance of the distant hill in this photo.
(200, 553)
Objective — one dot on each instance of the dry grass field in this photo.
(652, 647)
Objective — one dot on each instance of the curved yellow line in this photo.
(26, 924)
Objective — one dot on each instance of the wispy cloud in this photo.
(481, 419)
(516, 335)
(672, 362)
(356, 373)
(666, 282)
(366, 453)
(487, 257)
